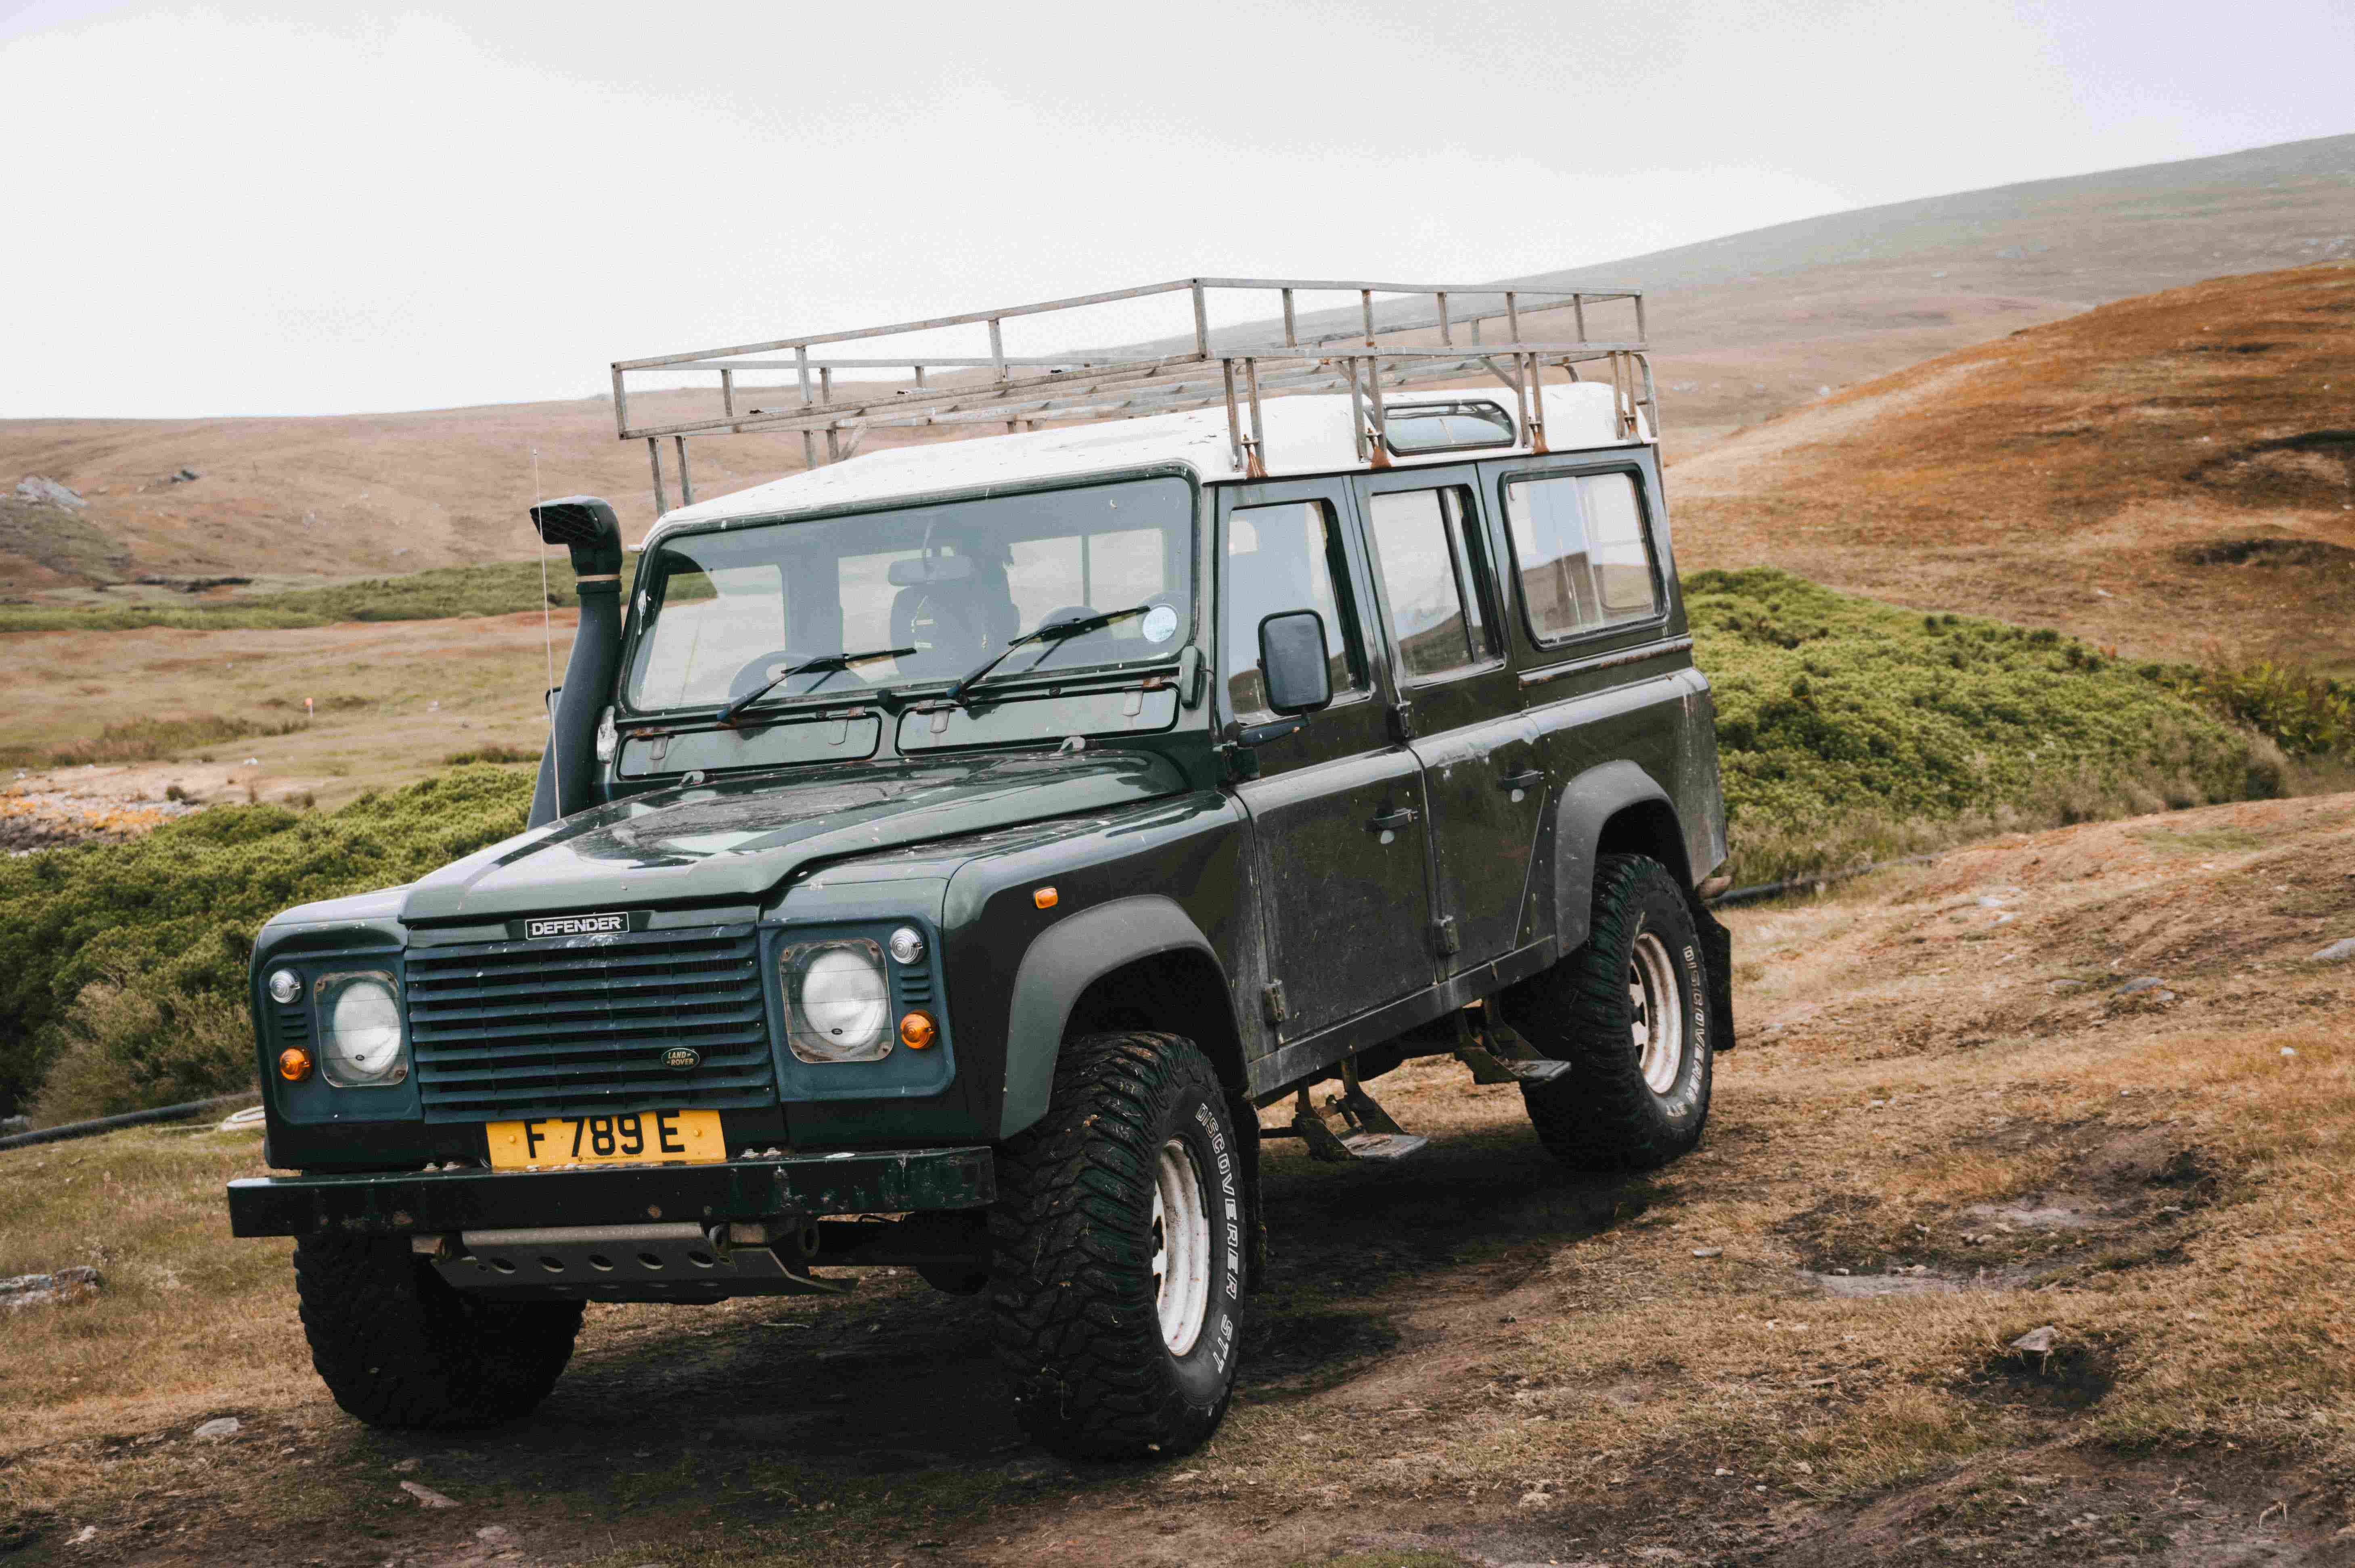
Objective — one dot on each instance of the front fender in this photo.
(1587, 804)
(1057, 970)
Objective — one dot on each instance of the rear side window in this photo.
(1579, 547)
(1280, 558)
(1430, 570)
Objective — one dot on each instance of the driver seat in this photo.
(944, 623)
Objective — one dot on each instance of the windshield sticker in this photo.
(1160, 624)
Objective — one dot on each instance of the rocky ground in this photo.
(95, 805)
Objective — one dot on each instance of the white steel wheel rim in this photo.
(1655, 1007)
(1181, 1247)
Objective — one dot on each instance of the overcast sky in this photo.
(306, 208)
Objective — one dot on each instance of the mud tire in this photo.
(1603, 1115)
(1072, 1284)
(400, 1348)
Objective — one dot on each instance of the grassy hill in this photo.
(1746, 326)
(2171, 475)
(1847, 730)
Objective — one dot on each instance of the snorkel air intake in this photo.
(588, 528)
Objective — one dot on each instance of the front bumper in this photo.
(859, 1182)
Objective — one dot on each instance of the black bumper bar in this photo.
(860, 1183)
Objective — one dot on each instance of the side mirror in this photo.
(1292, 662)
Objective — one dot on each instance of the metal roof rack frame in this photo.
(1020, 391)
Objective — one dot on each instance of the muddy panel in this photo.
(1487, 787)
(1341, 849)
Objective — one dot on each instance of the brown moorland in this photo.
(2171, 475)
(1949, 1123)
(1745, 326)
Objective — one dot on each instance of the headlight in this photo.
(834, 993)
(359, 1030)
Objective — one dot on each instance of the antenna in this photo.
(548, 639)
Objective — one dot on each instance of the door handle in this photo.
(1529, 781)
(1403, 817)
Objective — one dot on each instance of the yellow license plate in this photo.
(640, 1137)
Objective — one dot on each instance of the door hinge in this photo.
(1273, 998)
(1443, 933)
(1403, 723)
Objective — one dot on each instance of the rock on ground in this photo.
(48, 491)
(65, 1286)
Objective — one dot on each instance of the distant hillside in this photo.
(1746, 326)
(2168, 475)
(1753, 323)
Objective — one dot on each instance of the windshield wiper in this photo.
(832, 664)
(1055, 634)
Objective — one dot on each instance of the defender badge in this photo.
(682, 1059)
(575, 925)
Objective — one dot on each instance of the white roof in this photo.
(1305, 434)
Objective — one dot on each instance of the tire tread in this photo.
(1600, 1115)
(1077, 1333)
(400, 1348)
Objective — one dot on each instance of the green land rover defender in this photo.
(942, 855)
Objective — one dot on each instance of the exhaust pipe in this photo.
(588, 528)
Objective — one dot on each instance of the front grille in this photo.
(520, 1030)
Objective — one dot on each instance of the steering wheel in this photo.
(756, 670)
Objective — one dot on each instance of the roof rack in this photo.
(1234, 366)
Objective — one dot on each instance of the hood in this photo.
(739, 842)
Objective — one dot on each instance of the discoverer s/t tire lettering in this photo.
(1118, 1244)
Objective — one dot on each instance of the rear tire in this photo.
(1117, 1251)
(398, 1347)
(1630, 1010)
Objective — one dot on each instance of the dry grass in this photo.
(1473, 1355)
(2169, 474)
(176, 1323)
(143, 740)
(392, 698)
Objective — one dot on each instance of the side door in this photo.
(1337, 812)
(1606, 667)
(1434, 559)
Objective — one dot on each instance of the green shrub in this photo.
(2306, 713)
(130, 1044)
(1849, 730)
(494, 752)
(174, 914)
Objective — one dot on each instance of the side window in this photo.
(1285, 557)
(1615, 533)
(1579, 545)
(1428, 549)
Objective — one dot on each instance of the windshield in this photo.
(723, 612)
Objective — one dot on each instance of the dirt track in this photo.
(1945, 1126)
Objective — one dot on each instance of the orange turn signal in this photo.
(1044, 897)
(917, 1031)
(293, 1064)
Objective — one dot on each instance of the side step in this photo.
(1497, 1055)
(1370, 1134)
(1488, 1068)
